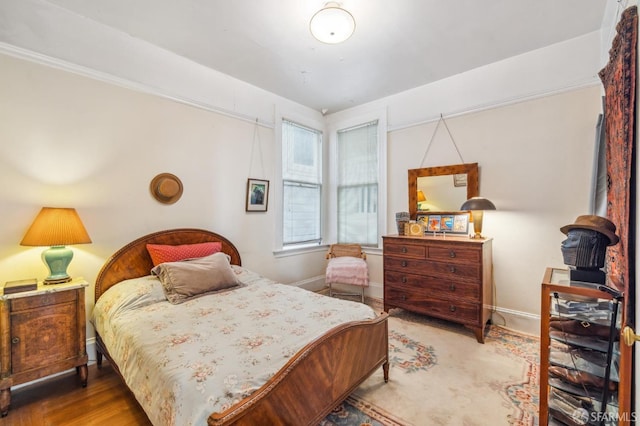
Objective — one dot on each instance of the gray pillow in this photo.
(187, 279)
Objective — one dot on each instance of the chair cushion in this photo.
(348, 270)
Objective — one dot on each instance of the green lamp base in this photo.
(57, 259)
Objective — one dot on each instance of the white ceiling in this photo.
(397, 45)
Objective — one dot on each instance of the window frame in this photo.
(343, 121)
(316, 123)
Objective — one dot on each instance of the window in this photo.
(302, 184)
(357, 184)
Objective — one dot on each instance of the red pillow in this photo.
(166, 253)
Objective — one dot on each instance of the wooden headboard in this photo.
(133, 260)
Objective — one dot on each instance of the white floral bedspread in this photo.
(184, 362)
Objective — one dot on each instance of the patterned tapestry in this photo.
(619, 81)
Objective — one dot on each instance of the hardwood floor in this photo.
(62, 401)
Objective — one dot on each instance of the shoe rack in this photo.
(579, 352)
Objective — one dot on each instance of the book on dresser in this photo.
(18, 286)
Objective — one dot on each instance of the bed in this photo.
(297, 382)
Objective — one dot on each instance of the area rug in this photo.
(440, 375)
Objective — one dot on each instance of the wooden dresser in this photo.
(448, 278)
(42, 332)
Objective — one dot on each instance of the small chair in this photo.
(347, 265)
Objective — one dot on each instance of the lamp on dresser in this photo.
(477, 206)
(56, 227)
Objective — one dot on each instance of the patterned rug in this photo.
(440, 375)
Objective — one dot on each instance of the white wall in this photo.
(75, 141)
(535, 165)
(67, 140)
(529, 122)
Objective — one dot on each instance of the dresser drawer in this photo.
(436, 287)
(453, 254)
(48, 299)
(418, 301)
(457, 271)
(405, 250)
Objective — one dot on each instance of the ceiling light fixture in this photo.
(332, 24)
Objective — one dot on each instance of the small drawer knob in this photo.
(404, 297)
(452, 269)
(452, 308)
(15, 340)
(404, 263)
(452, 287)
(404, 249)
(452, 254)
(404, 279)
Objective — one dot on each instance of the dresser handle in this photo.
(452, 308)
(404, 297)
(452, 254)
(404, 249)
(15, 340)
(452, 287)
(404, 279)
(452, 269)
(404, 263)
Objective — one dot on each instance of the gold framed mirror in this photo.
(442, 188)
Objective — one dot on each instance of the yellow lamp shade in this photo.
(56, 227)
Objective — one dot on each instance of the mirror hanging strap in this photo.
(256, 139)
(443, 121)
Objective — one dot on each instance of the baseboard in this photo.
(375, 290)
(522, 322)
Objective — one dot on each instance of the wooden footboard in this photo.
(316, 379)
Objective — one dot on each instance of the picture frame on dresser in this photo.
(450, 223)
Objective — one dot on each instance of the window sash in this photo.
(301, 153)
(358, 214)
(357, 187)
(301, 214)
(301, 184)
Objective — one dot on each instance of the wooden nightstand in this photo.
(42, 332)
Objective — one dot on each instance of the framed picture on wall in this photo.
(460, 179)
(257, 195)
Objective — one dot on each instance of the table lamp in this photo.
(477, 205)
(421, 198)
(57, 228)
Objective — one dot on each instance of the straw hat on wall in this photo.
(166, 188)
